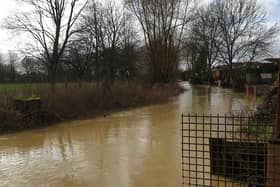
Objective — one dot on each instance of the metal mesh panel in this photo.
(225, 150)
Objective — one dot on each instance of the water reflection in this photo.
(136, 148)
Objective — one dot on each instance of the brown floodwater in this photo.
(136, 148)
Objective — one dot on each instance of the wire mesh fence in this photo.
(222, 151)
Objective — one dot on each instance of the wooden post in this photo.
(273, 150)
(273, 164)
(277, 122)
(255, 90)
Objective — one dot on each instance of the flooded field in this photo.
(135, 148)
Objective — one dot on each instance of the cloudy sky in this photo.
(8, 7)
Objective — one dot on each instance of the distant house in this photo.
(251, 73)
(261, 72)
(221, 74)
(216, 74)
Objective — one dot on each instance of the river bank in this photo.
(74, 103)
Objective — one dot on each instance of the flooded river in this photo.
(135, 148)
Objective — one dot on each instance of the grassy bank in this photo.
(73, 102)
(23, 89)
(261, 125)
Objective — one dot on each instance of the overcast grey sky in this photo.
(8, 7)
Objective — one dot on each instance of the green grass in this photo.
(260, 131)
(31, 89)
(20, 88)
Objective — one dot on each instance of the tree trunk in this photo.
(277, 121)
(97, 77)
(52, 76)
(53, 81)
(80, 81)
(107, 90)
(231, 75)
(210, 76)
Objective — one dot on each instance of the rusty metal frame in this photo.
(221, 151)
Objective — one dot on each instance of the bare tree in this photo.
(32, 68)
(92, 22)
(106, 23)
(244, 34)
(80, 57)
(163, 23)
(205, 32)
(130, 41)
(51, 24)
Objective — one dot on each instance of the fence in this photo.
(222, 151)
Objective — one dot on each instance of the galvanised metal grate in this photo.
(225, 151)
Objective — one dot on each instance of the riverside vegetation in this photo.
(264, 115)
(80, 41)
(74, 102)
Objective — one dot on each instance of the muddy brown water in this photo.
(135, 148)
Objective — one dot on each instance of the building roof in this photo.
(273, 60)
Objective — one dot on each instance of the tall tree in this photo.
(244, 34)
(80, 57)
(205, 32)
(130, 40)
(106, 24)
(163, 23)
(92, 33)
(50, 24)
